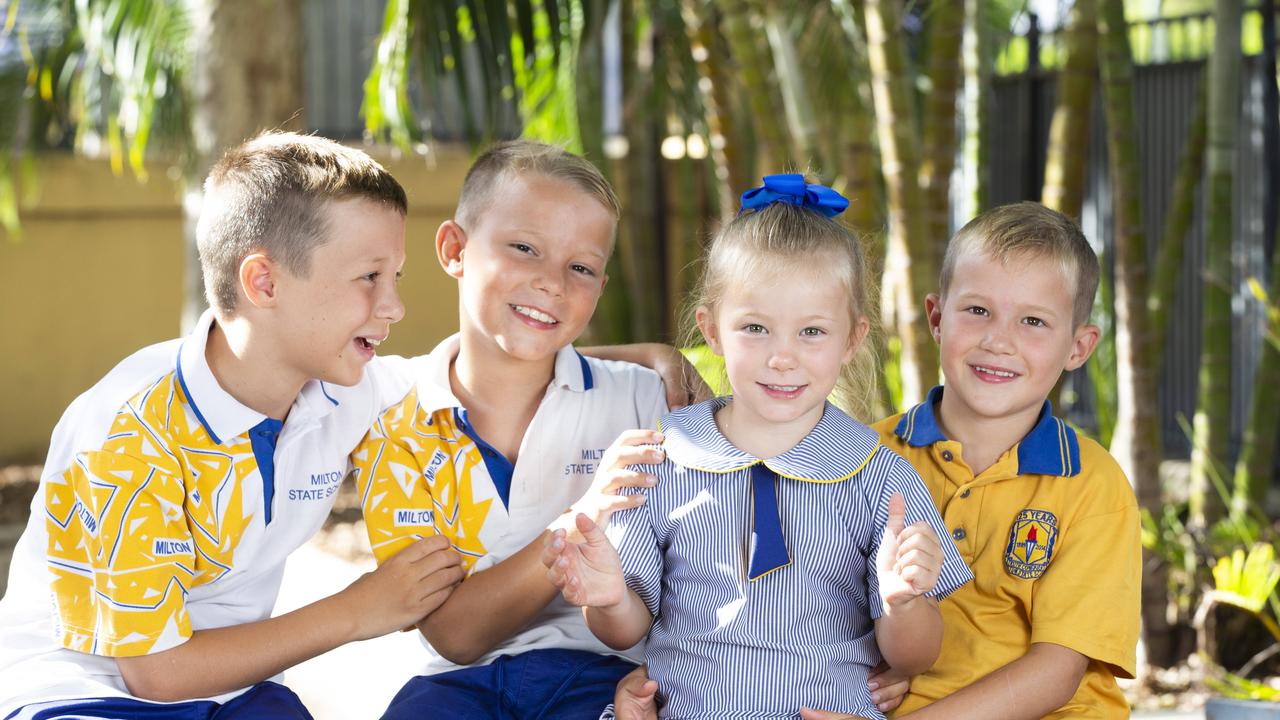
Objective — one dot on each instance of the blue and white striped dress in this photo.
(723, 646)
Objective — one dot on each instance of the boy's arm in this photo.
(513, 592)
(684, 386)
(1032, 686)
(211, 662)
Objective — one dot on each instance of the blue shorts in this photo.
(536, 685)
(264, 701)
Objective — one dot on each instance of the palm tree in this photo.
(196, 77)
(1212, 427)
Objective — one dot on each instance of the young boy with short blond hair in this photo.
(503, 430)
(1044, 517)
(176, 487)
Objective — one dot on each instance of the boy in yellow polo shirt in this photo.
(1044, 517)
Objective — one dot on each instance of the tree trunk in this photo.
(1212, 429)
(1136, 442)
(1064, 167)
(795, 93)
(247, 78)
(700, 20)
(911, 258)
(975, 51)
(743, 32)
(946, 23)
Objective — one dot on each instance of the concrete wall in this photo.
(97, 274)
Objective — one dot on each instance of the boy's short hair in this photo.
(267, 195)
(1029, 229)
(526, 157)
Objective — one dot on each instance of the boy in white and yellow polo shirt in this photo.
(503, 431)
(176, 487)
(1044, 517)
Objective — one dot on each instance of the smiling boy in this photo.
(502, 432)
(1044, 517)
(176, 487)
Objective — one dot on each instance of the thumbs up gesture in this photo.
(910, 558)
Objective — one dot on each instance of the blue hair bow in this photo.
(791, 188)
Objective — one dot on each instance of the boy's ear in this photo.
(707, 326)
(258, 277)
(1082, 345)
(933, 313)
(451, 242)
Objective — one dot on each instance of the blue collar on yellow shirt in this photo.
(1051, 448)
(836, 449)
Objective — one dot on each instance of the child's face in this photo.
(784, 342)
(1005, 335)
(531, 267)
(331, 321)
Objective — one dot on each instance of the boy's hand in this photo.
(888, 687)
(909, 560)
(406, 588)
(683, 383)
(603, 499)
(636, 696)
(680, 378)
(588, 574)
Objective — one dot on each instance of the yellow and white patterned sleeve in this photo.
(396, 503)
(121, 554)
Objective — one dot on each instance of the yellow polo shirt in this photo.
(1052, 534)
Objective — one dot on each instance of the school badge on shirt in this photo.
(1031, 541)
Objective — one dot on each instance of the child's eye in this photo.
(583, 270)
(813, 332)
(1033, 321)
(754, 329)
(977, 310)
(371, 277)
(522, 247)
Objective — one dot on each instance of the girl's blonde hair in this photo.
(759, 243)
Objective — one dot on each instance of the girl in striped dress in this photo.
(783, 552)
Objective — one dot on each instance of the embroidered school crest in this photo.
(1031, 541)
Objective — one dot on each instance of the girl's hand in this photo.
(888, 687)
(588, 574)
(636, 697)
(909, 560)
(632, 447)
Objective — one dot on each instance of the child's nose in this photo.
(392, 307)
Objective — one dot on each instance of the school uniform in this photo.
(167, 507)
(423, 469)
(1052, 533)
(760, 573)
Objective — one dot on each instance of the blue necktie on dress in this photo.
(768, 548)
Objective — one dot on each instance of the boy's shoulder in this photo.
(87, 421)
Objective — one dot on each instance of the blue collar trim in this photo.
(1051, 448)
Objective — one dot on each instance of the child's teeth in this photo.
(536, 315)
(997, 373)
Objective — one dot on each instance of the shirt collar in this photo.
(435, 392)
(222, 416)
(836, 449)
(1051, 448)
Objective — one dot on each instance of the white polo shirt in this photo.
(423, 470)
(167, 507)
